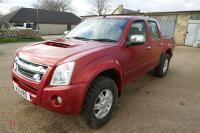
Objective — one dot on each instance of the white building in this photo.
(47, 22)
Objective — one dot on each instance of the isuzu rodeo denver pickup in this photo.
(85, 71)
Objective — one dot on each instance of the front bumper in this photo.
(44, 95)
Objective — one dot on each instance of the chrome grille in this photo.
(29, 70)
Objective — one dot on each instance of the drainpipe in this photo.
(38, 19)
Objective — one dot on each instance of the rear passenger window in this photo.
(154, 30)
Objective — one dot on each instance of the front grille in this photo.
(29, 70)
(28, 73)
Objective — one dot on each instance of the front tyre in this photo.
(163, 67)
(100, 101)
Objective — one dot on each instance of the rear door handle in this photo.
(148, 47)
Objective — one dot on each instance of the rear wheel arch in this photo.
(169, 52)
(164, 63)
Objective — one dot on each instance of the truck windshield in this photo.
(105, 30)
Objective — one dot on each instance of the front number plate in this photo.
(22, 92)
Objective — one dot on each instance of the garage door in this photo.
(193, 33)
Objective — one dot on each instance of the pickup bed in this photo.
(87, 69)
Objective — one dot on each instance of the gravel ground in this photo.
(148, 105)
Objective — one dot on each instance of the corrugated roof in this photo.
(154, 13)
(48, 17)
(187, 11)
(173, 12)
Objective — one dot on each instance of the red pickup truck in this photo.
(86, 70)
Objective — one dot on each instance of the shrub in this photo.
(20, 35)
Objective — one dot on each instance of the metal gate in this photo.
(167, 24)
(193, 33)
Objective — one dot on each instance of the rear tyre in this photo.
(100, 101)
(162, 69)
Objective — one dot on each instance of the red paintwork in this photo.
(91, 59)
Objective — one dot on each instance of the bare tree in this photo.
(0, 12)
(54, 5)
(100, 7)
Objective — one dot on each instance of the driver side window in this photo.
(137, 28)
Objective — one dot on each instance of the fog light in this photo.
(56, 101)
(59, 99)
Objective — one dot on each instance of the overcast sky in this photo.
(82, 7)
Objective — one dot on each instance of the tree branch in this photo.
(99, 7)
(54, 5)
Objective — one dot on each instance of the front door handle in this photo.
(148, 47)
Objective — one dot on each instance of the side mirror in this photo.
(137, 39)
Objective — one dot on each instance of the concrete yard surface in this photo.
(148, 105)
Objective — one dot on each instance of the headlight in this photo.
(16, 58)
(62, 74)
(14, 65)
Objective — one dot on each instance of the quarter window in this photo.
(154, 30)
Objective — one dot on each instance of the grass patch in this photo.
(15, 39)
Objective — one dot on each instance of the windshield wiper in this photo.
(99, 39)
(104, 40)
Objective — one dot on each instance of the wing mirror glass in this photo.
(137, 39)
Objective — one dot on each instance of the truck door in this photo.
(156, 42)
(137, 55)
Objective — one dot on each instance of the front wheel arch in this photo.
(99, 84)
(112, 74)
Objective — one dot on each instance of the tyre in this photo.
(162, 69)
(100, 101)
